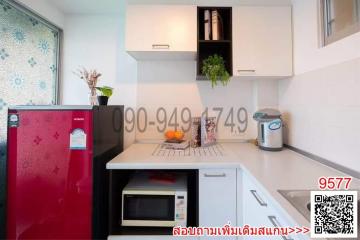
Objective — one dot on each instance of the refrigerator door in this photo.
(49, 193)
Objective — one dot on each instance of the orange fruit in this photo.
(169, 135)
(179, 135)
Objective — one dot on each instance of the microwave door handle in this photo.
(215, 175)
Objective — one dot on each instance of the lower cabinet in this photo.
(217, 198)
(258, 211)
(230, 195)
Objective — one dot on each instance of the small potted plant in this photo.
(214, 69)
(106, 92)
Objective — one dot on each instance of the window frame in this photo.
(23, 8)
(324, 21)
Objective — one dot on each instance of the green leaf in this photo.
(105, 91)
(214, 69)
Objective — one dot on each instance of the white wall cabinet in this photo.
(262, 36)
(217, 198)
(161, 31)
(262, 41)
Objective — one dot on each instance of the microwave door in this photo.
(148, 210)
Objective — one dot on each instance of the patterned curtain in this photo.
(29, 53)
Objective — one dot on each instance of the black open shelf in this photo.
(119, 179)
(214, 41)
(222, 47)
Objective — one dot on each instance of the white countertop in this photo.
(141, 156)
(284, 170)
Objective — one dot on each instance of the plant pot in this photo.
(103, 100)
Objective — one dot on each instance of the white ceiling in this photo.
(87, 6)
(114, 6)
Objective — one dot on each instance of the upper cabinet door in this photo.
(262, 41)
(161, 29)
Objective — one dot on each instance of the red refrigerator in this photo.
(57, 183)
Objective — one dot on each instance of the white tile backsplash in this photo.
(322, 111)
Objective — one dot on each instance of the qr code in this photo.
(334, 214)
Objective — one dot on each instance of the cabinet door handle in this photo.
(276, 223)
(258, 198)
(215, 175)
(161, 46)
(246, 70)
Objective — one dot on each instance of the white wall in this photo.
(94, 42)
(322, 102)
(173, 85)
(308, 55)
(215, 2)
(46, 10)
(97, 42)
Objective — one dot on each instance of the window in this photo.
(341, 18)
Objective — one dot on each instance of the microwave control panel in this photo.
(180, 209)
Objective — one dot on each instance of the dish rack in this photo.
(216, 150)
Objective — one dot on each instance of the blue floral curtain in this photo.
(29, 53)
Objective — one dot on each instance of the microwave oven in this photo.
(151, 202)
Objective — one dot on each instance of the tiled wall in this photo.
(322, 102)
(322, 110)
